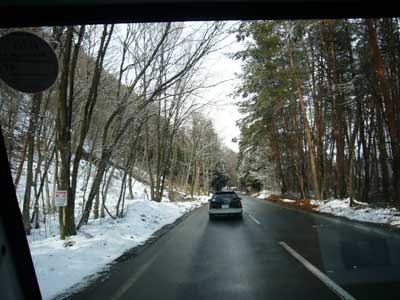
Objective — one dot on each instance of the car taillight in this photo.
(240, 204)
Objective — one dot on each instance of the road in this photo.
(249, 259)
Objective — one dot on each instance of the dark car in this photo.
(226, 203)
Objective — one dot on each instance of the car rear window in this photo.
(225, 196)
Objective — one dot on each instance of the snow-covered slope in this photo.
(61, 265)
(99, 243)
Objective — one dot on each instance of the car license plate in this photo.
(225, 206)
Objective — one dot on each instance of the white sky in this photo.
(220, 68)
(224, 113)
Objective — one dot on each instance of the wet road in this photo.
(249, 259)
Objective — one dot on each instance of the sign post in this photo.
(61, 198)
(61, 201)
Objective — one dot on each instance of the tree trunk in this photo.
(96, 206)
(383, 158)
(104, 160)
(277, 157)
(310, 143)
(22, 160)
(393, 124)
(66, 215)
(36, 99)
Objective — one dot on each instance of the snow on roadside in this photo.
(58, 268)
(264, 194)
(362, 212)
(289, 200)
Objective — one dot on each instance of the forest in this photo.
(126, 99)
(321, 108)
(319, 101)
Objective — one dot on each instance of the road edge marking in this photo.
(321, 276)
(254, 219)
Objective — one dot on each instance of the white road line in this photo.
(321, 276)
(254, 219)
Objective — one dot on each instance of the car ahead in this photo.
(226, 203)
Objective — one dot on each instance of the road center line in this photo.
(321, 276)
(254, 219)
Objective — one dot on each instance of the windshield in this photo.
(225, 196)
(114, 159)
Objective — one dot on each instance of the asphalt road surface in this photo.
(273, 253)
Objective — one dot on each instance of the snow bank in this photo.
(341, 207)
(60, 265)
(263, 194)
(99, 243)
(361, 212)
(289, 200)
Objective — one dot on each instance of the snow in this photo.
(362, 212)
(62, 266)
(288, 200)
(263, 194)
(99, 243)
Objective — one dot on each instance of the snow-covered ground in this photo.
(289, 201)
(361, 212)
(341, 207)
(99, 243)
(263, 194)
(61, 265)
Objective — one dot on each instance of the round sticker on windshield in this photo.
(27, 62)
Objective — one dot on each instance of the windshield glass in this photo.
(225, 196)
(115, 163)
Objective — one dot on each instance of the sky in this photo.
(220, 68)
(224, 112)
